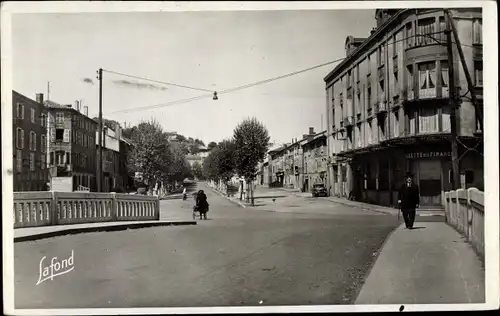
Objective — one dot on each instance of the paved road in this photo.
(237, 257)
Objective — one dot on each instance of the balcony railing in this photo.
(427, 93)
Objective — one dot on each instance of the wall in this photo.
(29, 176)
(464, 211)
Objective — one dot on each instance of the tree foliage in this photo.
(211, 145)
(150, 154)
(251, 140)
(219, 165)
(197, 170)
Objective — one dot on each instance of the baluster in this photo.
(136, 212)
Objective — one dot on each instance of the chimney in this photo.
(86, 110)
(311, 130)
(77, 105)
(39, 98)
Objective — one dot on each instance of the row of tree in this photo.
(239, 155)
(154, 157)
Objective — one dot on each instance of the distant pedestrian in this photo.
(409, 200)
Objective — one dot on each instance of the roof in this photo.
(316, 137)
(368, 41)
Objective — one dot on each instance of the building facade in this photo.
(112, 164)
(388, 108)
(315, 159)
(29, 143)
(71, 150)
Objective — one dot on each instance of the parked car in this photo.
(319, 189)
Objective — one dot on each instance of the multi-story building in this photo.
(112, 162)
(29, 143)
(276, 166)
(388, 107)
(315, 161)
(71, 149)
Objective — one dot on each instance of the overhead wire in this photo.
(239, 88)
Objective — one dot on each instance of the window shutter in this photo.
(34, 141)
(52, 134)
(22, 139)
(66, 136)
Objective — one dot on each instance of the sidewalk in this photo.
(34, 233)
(432, 264)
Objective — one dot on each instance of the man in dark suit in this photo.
(409, 200)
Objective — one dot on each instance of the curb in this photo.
(389, 212)
(227, 198)
(370, 268)
(92, 229)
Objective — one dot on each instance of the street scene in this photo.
(244, 160)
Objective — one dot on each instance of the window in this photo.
(43, 121)
(381, 55)
(20, 111)
(428, 120)
(68, 157)
(411, 85)
(32, 161)
(409, 35)
(426, 30)
(32, 141)
(478, 73)
(394, 46)
(349, 79)
(369, 98)
(381, 91)
(411, 118)
(59, 117)
(79, 138)
(395, 124)
(60, 157)
(59, 134)
(442, 28)
(32, 115)
(427, 79)
(369, 132)
(19, 160)
(43, 144)
(477, 31)
(20, 138)
(43, 161)
(444, 79)
(396, 84)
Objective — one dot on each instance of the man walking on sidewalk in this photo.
(409, 200)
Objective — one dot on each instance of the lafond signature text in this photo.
(55, 268)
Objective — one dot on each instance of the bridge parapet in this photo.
(33, 209)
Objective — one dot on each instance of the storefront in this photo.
(378, 173)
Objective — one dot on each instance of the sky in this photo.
(209, 50)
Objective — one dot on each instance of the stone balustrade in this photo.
(464, 211)
(65, 208)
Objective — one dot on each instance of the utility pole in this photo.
(452, 99)
(470, 85)
(100, 129)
